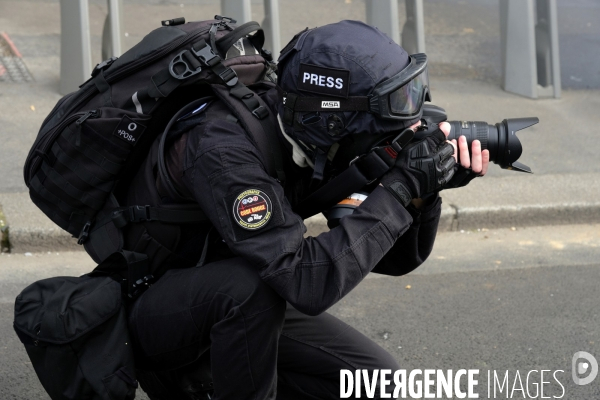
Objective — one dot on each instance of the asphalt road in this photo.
(501, 300)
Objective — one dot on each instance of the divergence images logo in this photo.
(584, 364)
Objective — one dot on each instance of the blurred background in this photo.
(512, 281)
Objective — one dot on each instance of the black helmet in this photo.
(348, 83)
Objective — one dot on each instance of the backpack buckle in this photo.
(225, 20)
(140, 285)
(207, 56)
(139, 213)
(260, 113)
(102, 65)
(85, 233)
(184, 60)
(229, 77)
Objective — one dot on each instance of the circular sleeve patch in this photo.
(252, 209)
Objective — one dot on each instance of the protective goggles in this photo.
(401, 97)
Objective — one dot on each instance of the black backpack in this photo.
(88, 150)
(95, 139)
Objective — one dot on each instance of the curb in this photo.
(455, 218)
(469, 218)
(493, 203)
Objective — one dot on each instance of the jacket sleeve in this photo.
(414, 246)
(311, 273)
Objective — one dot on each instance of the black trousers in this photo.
(259, 347)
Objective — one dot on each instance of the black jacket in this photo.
(215, 162)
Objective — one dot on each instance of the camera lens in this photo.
(500, 139)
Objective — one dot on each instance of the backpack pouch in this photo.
(75, 333)
(80, 161)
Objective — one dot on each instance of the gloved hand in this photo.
(462, 177)
(421, 168)
(471, 164)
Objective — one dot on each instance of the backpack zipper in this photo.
(89, 114)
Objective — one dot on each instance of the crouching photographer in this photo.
(233, 303)
(259, 301)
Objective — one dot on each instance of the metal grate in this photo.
(12, 67)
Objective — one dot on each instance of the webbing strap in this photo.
(135, 266)
(135, 214)
(346, 183)
(250, 100)
(289, 105)
(294, 103)
(352, 103)
(61, 156)
(163, 84)
(262, 131)
(320, 163)
(258, 39)
(104, 88)
(52, 205)
(69, 139)
(77, 196)
(360, 173)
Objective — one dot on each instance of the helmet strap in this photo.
(320, 161)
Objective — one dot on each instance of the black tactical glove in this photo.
(421, 168)
(462, 177)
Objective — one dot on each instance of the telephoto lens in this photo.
(500, 139)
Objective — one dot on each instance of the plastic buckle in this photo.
(225, 20)
(260, 113)
(267, 55)
(229, 77)
(207, 56)
(140, 284)
(188, 71)
(118, 218)
(102, 65)
(85, 233)
(140, 213)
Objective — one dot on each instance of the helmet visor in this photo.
(402, 96)
(408, 99)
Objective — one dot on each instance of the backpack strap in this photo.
(258, 39)
(134, 214)
(131, 268)
(248, 107)
(202, 55)
(258, 122)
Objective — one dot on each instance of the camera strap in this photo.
(362, 171)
